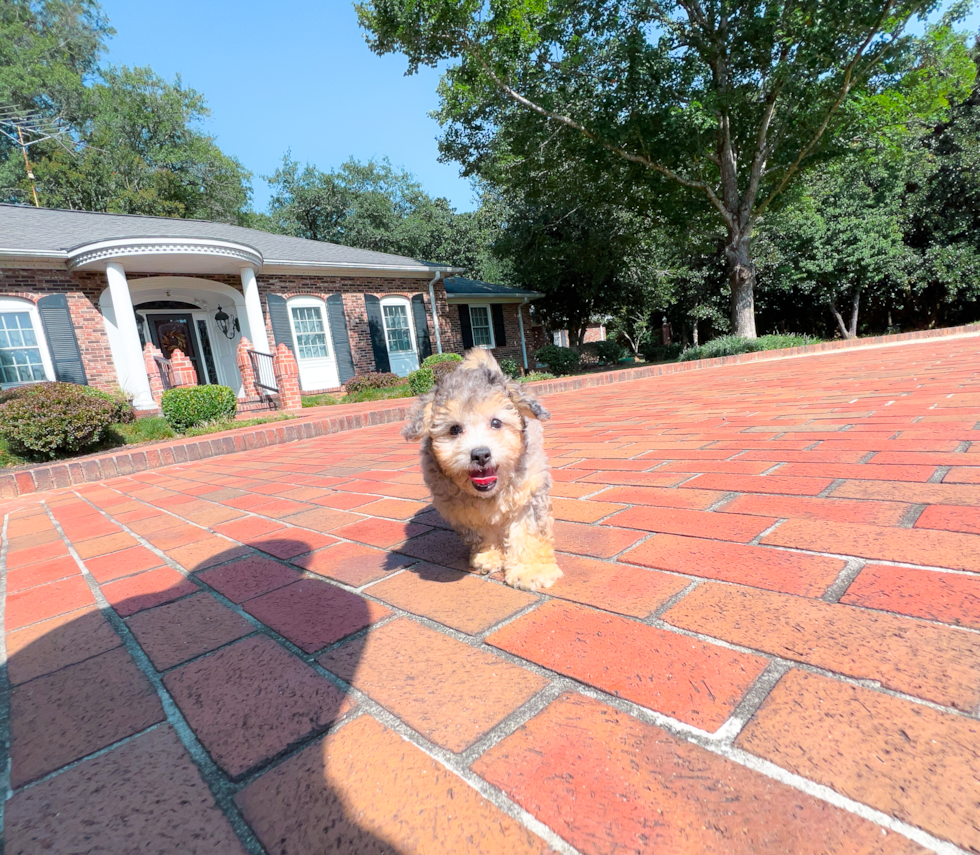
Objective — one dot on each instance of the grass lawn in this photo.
(151, 429)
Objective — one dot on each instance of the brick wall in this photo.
(512, 332)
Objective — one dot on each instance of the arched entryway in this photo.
(180, 311)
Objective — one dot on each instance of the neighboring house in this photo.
(491, 316)
(82, 293)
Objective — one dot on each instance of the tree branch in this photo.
(844, 91)
(632, 157)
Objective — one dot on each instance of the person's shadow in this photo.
(186, 717)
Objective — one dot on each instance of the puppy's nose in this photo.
(480, 456)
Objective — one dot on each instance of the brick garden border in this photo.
(324, 421)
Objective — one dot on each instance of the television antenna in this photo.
(25, 128)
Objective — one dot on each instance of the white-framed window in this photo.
(481, 324)
(24, 354)
(398, 329)
(309, 330)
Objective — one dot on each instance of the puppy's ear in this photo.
(419, 420)
(527, 405)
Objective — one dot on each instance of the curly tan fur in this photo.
(477, 411)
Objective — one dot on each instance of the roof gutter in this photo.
(432, 307)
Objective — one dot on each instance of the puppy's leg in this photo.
(486, 550)
(529, 554)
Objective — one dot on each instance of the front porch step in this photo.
(257, 405)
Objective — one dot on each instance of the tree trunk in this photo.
(854, 314)
(741, 280)
(694, 332)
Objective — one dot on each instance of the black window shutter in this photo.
(465, 327)
(341, 341)
(378, 342)
(497, 311)
(62, 342)
(421, 326)
(282, 332)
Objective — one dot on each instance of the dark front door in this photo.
(170, 332)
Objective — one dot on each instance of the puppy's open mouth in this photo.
(484, 480)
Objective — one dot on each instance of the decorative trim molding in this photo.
(108, 250)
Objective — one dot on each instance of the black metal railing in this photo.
(265, 375)
(166, 372)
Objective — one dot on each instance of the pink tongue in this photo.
(488, 479)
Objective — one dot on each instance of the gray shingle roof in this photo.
(46, 230)
(459, 285)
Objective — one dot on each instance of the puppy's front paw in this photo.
(488, 561)
(531, 577)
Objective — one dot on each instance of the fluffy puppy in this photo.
(483, 460)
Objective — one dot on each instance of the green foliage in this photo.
(559, 360)
(656, 351)
(510, 367)
(531, 376)
(402, 391)
(437, 358)
(148, 429)
(421, 381)
(124, 413)
(730, 345)
(48, 420)
(372, 381)
(609, 351)
(319, 400)
(187, 406)
(718, 106)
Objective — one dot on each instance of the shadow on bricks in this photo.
(186, 713)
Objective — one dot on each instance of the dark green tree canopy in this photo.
(728, 100)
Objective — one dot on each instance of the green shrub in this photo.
(654, 351)
(373, 380)
(438, 358)
(188, 406)
(531, 376)
(125, 414)
(559, 360)
(48, 420)
(403, 391)
(510, 367)
(731, 345)
(421, 381)
(609, 351)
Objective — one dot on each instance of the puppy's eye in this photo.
(455, 430)
(496, 424)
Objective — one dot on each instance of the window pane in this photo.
(20, 357)
(311, 338)
(397, 329)
(480, 324)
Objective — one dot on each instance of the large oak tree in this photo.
(729, 100)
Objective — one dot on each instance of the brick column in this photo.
(245, 368)
(182, 369)
(153, 370)
(287, 378)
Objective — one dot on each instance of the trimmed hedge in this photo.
(125, 413)
(48, 420)
(609, 351)
(559, 360)
(730, 345)
(373, 380)
(510, 367)
(188, 406)
(433, 369)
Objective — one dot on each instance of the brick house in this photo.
(82, 294)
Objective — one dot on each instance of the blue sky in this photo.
(290, 75)
(294, 75)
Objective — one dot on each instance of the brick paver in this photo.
(766, 640)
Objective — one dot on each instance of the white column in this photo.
(130, 367)
(253, 311)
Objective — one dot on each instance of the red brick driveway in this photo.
(767, 638)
